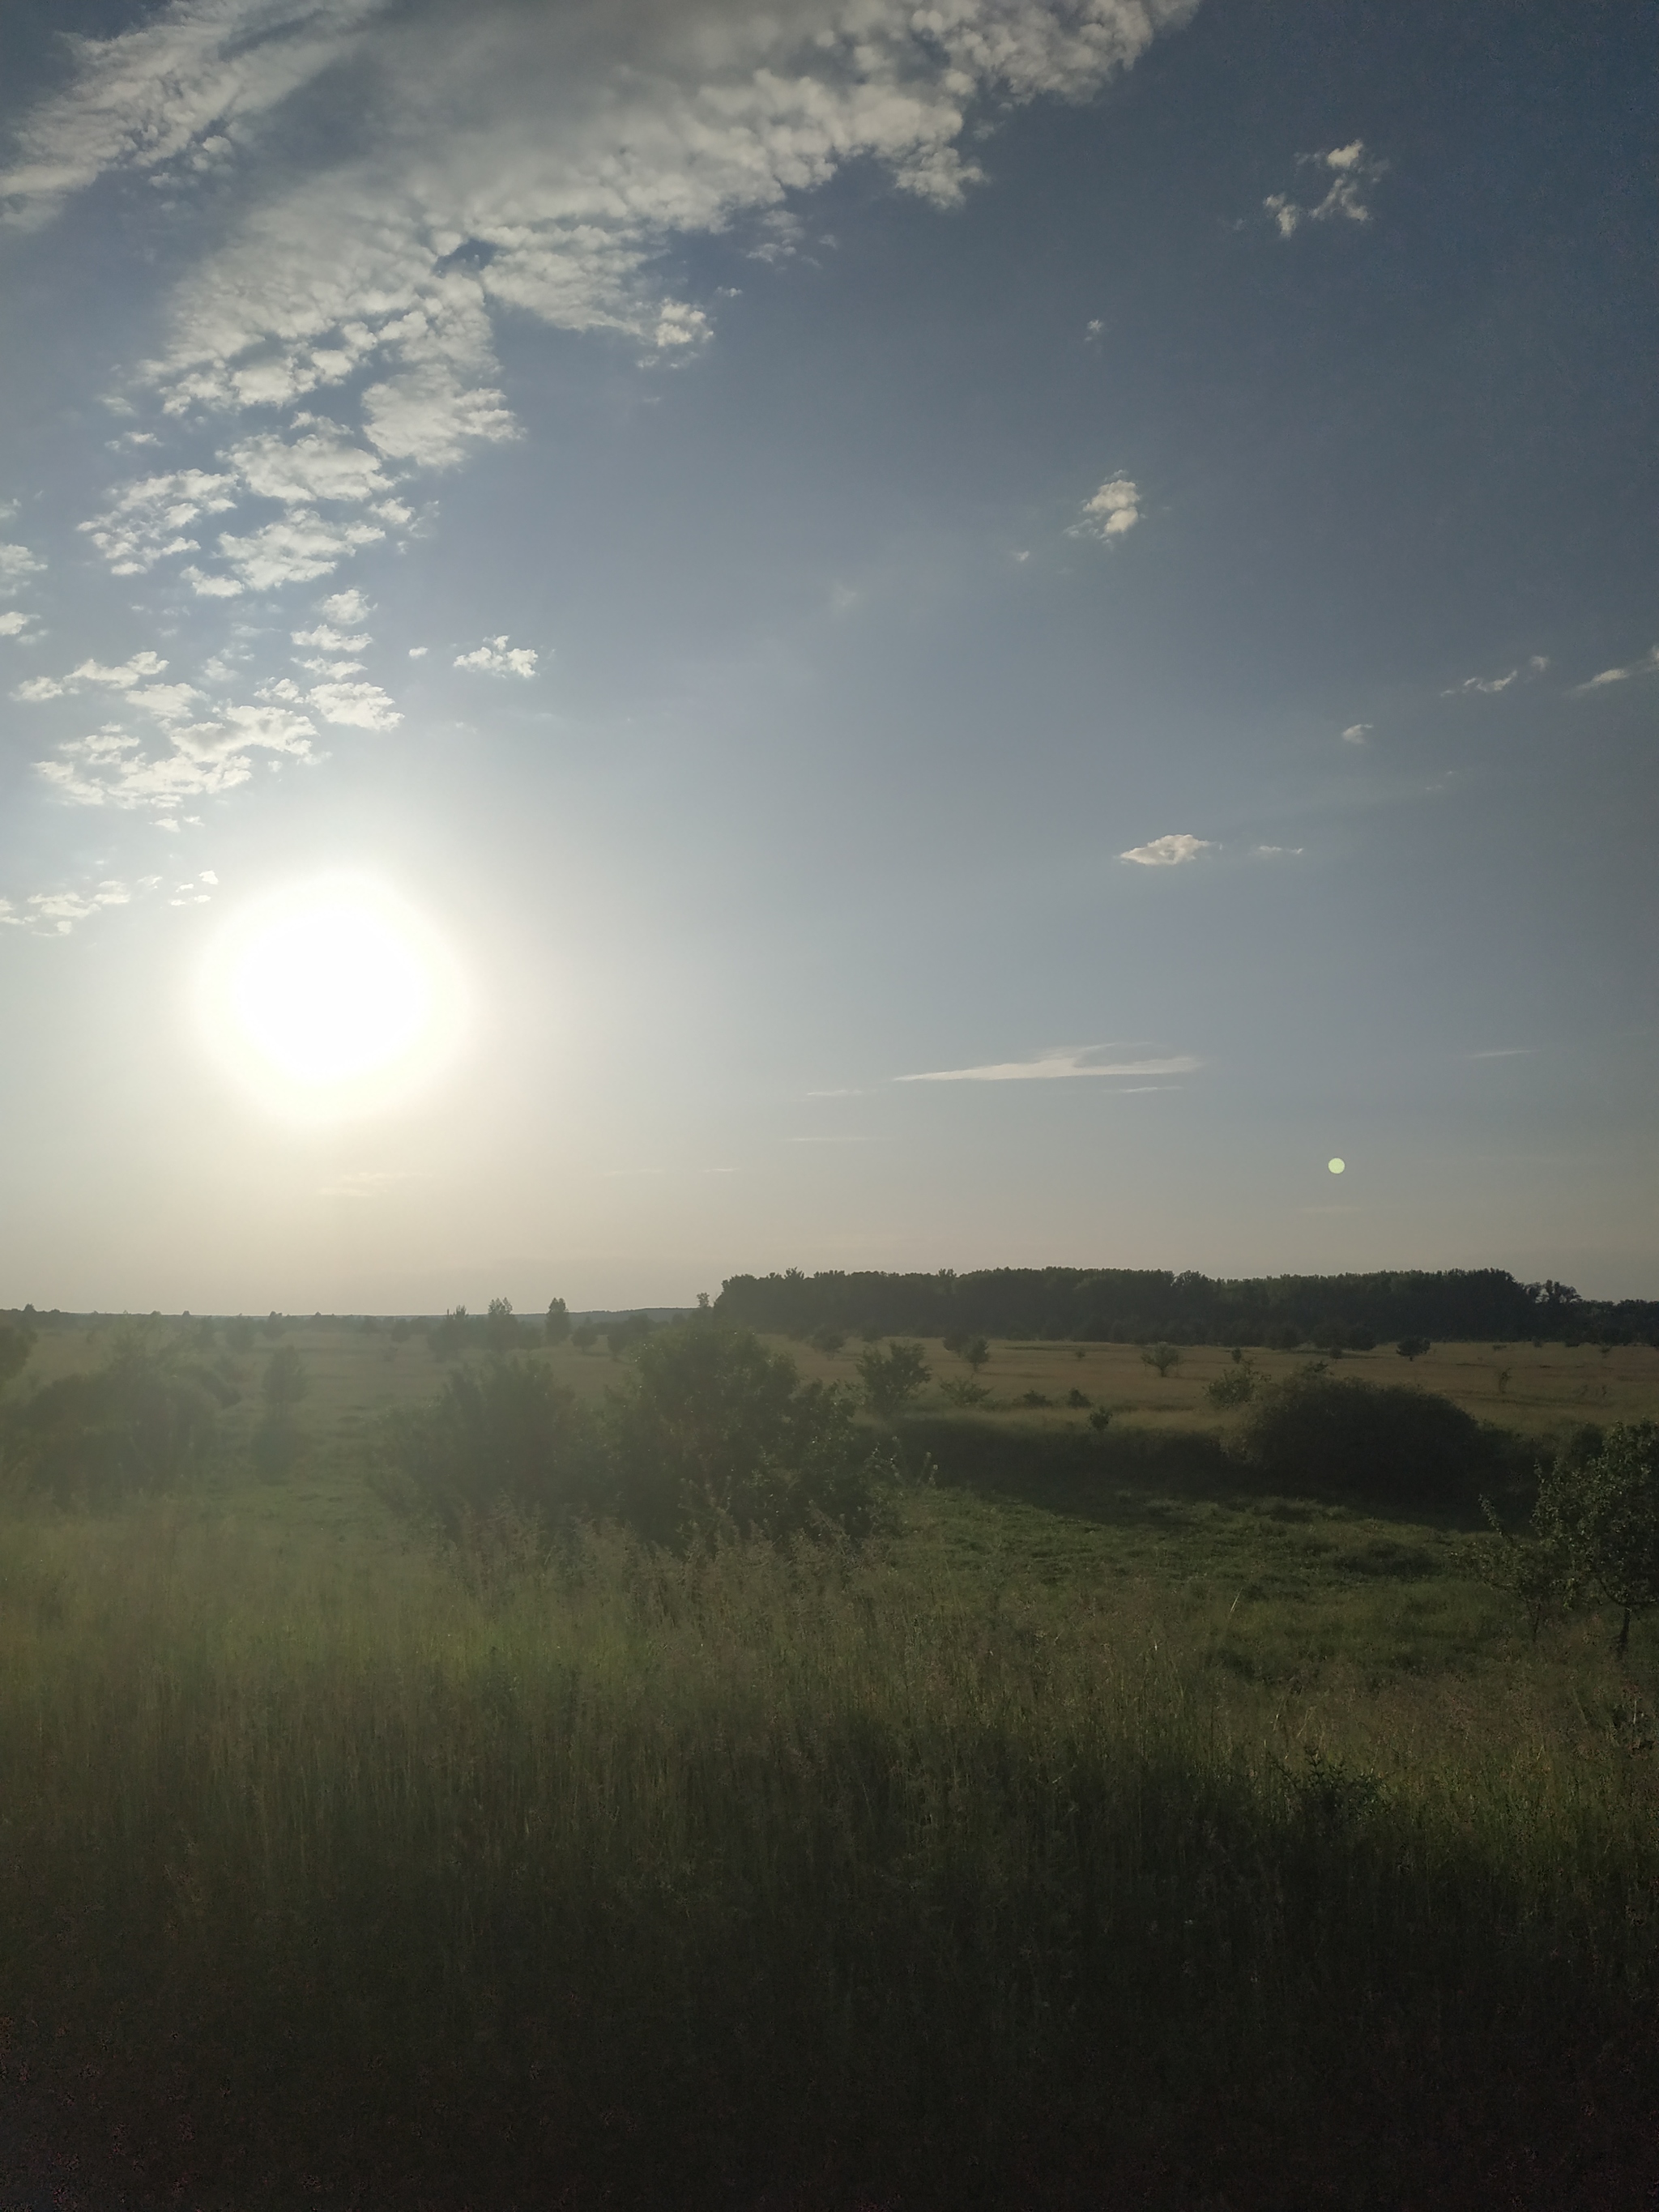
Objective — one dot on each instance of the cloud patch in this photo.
(1356, 733)
(1351, 171)
(495, 657)
(1110, 513)
(1168, 852)
(1646, 666)
(1525, 672)
(17, 565)
(1059, 1063)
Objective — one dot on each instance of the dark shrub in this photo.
(714, 1429)
(508, 1436)
(145, 1421)
(1317, 1433)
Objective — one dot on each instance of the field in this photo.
(1115, 1832)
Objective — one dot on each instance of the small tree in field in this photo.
(891, 1378)
(556, 1330)
(1163, 1357)
(1413, 1347)
(1600, 1519)
(500, 1330)
(285, 1381)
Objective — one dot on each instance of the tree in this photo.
(285, 1381)
(828, 1340)
(584, 1336)
(556, 1330)
(1599, 1517)
(1163, 1357)
(1413, 1347)
(891, 1378)
(500, 1330)
(15, 1346)
(714, 1430)
(973, 1352)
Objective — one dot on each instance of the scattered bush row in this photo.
(710, 1432)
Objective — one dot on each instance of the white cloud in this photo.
(1356, 733)
(1168, 852)
(324, 462)
(358, 706)
(1114, 510)
(124, 677)
(16, 563)
(1351, 173)
(179, 91)
(326, 639)
(16, 624)
(348, 608)
(495, 657)
(418, 651)
(1059, 1061)
(563, 151)
(55, 913)
(149, 519)
(1646, 666)
(1280, 851)
(298, 550)
(110, 768)
(1523, 674)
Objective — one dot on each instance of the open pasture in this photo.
(1114, 1830)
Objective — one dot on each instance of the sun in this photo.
(334, 997)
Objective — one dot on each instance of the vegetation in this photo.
(891, 1378)
(1163, 1812)
(1162, 1357)
(1316, 1433)
(1134, 1305)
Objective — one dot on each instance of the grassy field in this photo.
(1116, 1832)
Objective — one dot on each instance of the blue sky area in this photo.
(970, 635)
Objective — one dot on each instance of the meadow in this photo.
(1113, 1831)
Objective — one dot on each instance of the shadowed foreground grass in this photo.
(754, 1881)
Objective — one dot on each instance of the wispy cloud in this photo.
(1524, 673)
(495, 657)
(368, 1182)
(1280, 852)
(1168, 852)
(1646, 666)
(1112, 512)
(1356, 733)
(1351, 171)
(1503, 1052)
(1056, 1064)
(14, 623)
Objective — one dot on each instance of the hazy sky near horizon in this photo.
(954, 636)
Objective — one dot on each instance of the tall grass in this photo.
(775, 1877)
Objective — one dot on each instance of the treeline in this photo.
(1132, 1305)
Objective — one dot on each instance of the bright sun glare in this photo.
(333, 998)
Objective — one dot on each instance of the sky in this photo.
(642, 640)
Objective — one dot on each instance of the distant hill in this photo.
(1134, 1304)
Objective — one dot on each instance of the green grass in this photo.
(1115, 1834)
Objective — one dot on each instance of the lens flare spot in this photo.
(1336, 1167)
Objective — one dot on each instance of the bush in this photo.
(1598, 1516)
(145, 1421)
(1234, 1386)
(508, 1436)
(1315, 1432)
(717, 1432)
(891, 1378)
(1163, 1357)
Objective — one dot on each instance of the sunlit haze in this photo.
(645, 643)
